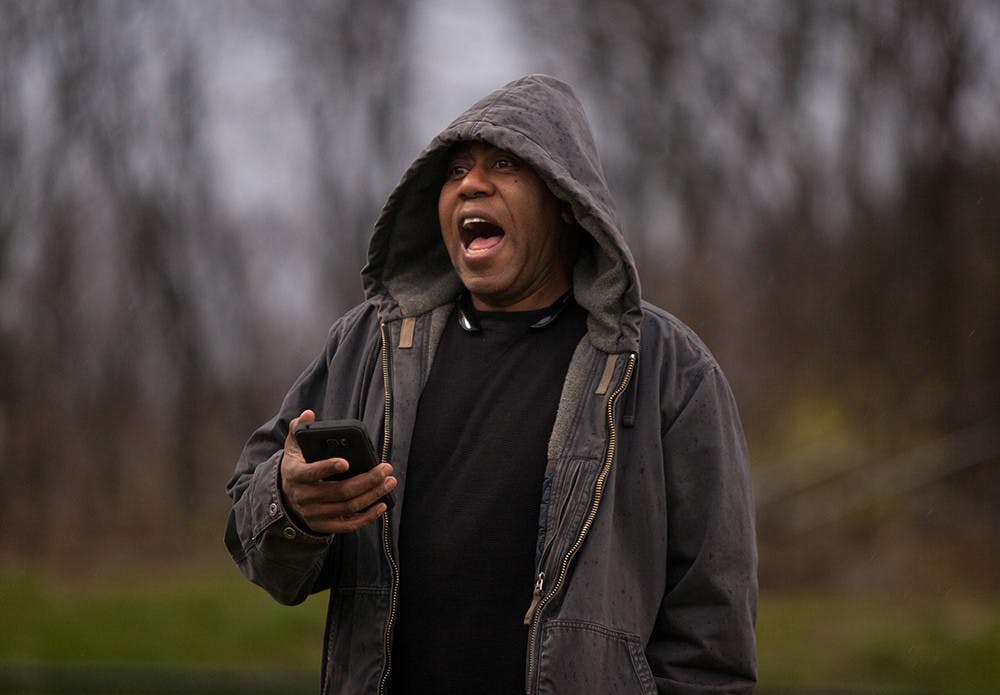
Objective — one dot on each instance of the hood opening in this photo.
(538, 119)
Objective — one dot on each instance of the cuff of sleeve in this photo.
(273, 518)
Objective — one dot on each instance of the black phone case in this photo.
(346, 439)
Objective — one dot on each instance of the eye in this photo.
(505, 162)
(457, 170)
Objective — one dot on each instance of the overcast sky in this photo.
(462, 49)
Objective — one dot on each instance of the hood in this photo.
(538, 119)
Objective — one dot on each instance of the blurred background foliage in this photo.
(186, 193)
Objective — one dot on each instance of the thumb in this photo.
(291, 442)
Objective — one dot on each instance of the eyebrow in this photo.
(465, 146)
(460, 148)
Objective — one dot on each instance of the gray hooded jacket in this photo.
(646, 560)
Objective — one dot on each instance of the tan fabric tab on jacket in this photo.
(406, 333)
(609, 370)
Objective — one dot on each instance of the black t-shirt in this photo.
(469, 521)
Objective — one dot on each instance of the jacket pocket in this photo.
(582, 657)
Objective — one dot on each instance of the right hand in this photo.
(331, 506)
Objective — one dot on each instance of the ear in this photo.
(567, 214)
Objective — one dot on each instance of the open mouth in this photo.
(479, 234)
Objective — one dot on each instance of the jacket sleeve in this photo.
(703, 640)
(264, 539)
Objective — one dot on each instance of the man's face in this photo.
(509, 239)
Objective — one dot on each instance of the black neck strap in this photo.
(468, 317)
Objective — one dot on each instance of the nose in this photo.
(475, 183)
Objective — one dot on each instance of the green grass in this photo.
(215, 620)
(919, 643)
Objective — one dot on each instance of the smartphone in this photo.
(344, 439)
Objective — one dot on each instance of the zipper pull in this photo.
(536, 598)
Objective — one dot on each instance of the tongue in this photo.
(481, 243)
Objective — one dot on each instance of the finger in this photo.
(363, 519)
(348, 524)
(359, 504)
(310, 482)
(291, 442)
(319, 471)
(318, 508)
(360, 484)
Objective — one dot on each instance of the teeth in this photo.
(466, 223)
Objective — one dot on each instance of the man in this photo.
(573, 509)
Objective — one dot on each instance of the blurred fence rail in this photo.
(840, 476)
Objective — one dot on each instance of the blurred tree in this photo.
(110, 314)
(131, 337)
(351, 73)
(818, 166)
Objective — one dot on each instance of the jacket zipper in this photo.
(386, 526)
(538, 601)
